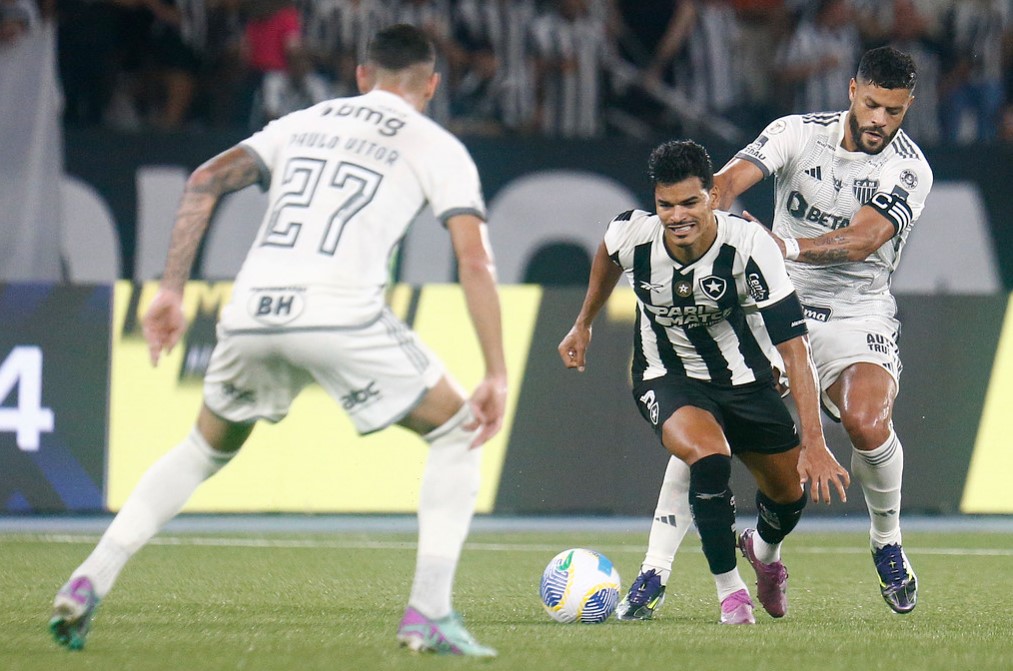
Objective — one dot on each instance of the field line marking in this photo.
(212, 541)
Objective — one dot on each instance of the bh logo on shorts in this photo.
(651, 404)
(276, 307)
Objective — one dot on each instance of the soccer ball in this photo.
(580, 585)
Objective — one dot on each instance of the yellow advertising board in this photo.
(987, 489)
(313, 461)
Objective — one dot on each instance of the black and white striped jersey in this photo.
(710, 75)
(503, 26)
(572, 53)
(824, 89)
(820, 186)
(714, 319)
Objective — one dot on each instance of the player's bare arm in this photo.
(603, 279)
(231, 170)
(737, 177)
(477, 275)
(868, 231)
(816, 464)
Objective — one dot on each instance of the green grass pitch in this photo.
(332, 601)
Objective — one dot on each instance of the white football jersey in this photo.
(716, 319)
(820, 186)
(346, 178)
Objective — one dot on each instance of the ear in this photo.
(852, 88)
(365, 78)
(432, 85)
(715, 196)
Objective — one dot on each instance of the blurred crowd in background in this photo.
(561, 68)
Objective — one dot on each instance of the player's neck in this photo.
(412, 97)
(848, 141)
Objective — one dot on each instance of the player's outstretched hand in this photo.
(488, 404)
(573, 349)
(163, 323)
(818, 467)
(748, 216)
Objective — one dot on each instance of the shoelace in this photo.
(890, 565)
(645, 587)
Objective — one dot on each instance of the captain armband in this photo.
(894, 208)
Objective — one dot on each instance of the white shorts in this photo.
(378, 373)
(840, 343)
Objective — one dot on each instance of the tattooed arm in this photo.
(230, 171)
(868, 231)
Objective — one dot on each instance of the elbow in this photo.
(202, 180)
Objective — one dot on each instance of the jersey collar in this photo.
(391, 99)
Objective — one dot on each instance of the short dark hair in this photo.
(887, 68)
(677, 160)
(399, 47)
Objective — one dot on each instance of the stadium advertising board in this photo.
(83, 413)
(987, 489)
(313, 461)
(54, 367)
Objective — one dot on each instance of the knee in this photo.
(783, 492)
(868, 427)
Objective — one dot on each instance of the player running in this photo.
(849, 188)
(713, 298)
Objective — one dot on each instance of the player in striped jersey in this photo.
(850, 186)
(345, 180)
(713, 296)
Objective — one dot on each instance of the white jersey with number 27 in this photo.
(820, 186)
(345, 178)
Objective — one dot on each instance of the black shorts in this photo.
(753, 416)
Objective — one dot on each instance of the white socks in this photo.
(729, 583)
(446, 505)
(764, 551)
(158, 497)
(880, 472)
(672, 519)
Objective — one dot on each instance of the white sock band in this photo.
(880, 472)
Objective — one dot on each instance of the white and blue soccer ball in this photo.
(580, 585)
